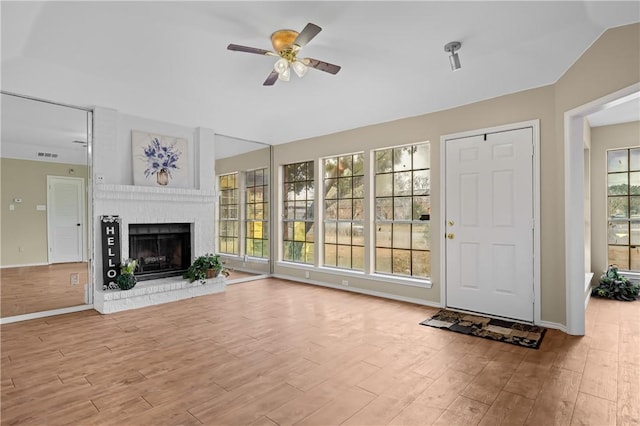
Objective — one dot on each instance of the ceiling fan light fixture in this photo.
(299, 68)
(454, 59)
(285, 75)
(281, 65)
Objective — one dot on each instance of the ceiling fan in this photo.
(286, 45)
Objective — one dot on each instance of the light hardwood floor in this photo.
(272, 352)
(31, 289)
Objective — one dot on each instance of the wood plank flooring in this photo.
(273, 352)
(29, 289)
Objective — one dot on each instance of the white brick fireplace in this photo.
(113, 194)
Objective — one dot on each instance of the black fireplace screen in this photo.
(162, 249)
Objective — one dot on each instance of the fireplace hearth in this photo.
(162, 249)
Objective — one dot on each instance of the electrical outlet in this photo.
(306, 274)
(74, 279)
(345, 282)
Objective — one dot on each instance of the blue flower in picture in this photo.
(161, 158)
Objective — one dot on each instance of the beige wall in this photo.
(601, 70)
(25, 227)
(604, 138)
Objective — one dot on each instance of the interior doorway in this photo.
(65, 219)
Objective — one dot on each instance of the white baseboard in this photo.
(362, 291)
(24, 265)
(43, 314)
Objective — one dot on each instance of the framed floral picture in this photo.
(161, 161)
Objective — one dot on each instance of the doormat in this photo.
(515, 333)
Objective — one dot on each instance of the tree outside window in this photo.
(228, 214)
(298, 217)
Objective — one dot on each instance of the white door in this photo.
(65, 218)
(489, 224)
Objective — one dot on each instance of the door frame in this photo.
(576, 285)
(83, 214)
(535, 126)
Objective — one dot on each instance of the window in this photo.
(623, 204)
(298, 195)
(402, 183)
(228, 217)
(257, 213)
(344, 211)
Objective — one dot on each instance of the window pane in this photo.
(330, 232)
(330, 254)
(634, 159)
(330, 168)
(309, 226)
(635, 232)
(617, 184)
(345, 187)
(344, 233)
(402, 159)
(634, 207)
(344, 256)
(345, 166)
(617, 161)
(383, 260)
(402, 208)
(421, 205)
(331, 188)
(357, 258)
(402, 183)
(357, 234)
(421, 184)
(345, 209)
(618, 207)
(384, 208)
(618, 233)
(420, 264)
(421, 156)
(309, 253)
(358, 209)
(331, 210)
(384, 185)
(635, 258)
(402, 262)
(384, 161)
(634, 183)
(420, 236)
(358, 187)
(358, 164)
(383, 235)
(619, 255)
(401, 235)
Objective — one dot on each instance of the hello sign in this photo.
(110, 226)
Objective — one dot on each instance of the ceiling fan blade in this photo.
(238, 48)
(322, 66)
(270, 81)
(307, 34)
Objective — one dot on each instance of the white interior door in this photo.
(65, 218)
(489, 224)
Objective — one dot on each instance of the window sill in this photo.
(356, 274)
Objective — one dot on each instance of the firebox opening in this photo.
(162, 249)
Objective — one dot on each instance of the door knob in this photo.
(450, 236)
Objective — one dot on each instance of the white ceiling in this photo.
(168, 60)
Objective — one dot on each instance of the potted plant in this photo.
(205, 266)
(126, 280)
(616, 286)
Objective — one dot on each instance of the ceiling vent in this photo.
(47, 155)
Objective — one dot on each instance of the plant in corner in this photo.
(126, 280)
(205, 266)
(615, 286)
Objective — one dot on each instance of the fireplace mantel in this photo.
(151, 193)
